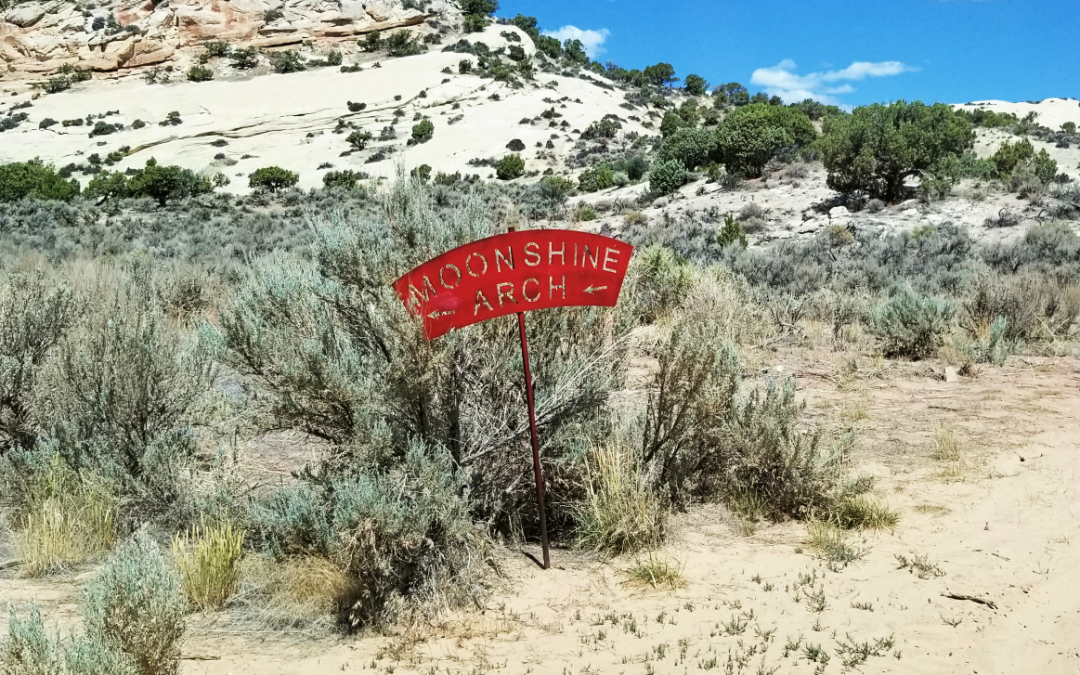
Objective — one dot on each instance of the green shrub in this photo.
(658, 282)
(161, 183)
(423, 132)
(555, 190)
(671, 123)
(34, 179)
(347, 179)
(912, 326)
(605, 128)
(46, 123)
(272, 179)
(136, 606)
(359, 139)
(199, 73)
(1045, 167)
(731, 233)
(217, 49)
(402, 43)
(877, 147)
(288, 61)
(515, 145)
(423, 172)
(55, 85)
(695, 85)
(667, 177)
(1010, 155)
(474, 23)
(246, 58)
(752, 135)
(596, 178)
(510, 167)
(690, 146)
(465, 66)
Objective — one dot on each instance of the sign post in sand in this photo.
(514, 273)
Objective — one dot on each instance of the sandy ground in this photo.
(999, 529)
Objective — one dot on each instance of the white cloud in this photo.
(593, 40)
(782, 80)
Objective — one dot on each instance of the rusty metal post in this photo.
(535, 440)
(537, 471)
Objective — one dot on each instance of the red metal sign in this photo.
(512, 273)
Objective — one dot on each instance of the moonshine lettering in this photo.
(525, 290)
(481, 299)
(552, 287)
(511, 273)
(561, 253)
(500, 259)
(532, 254)
(594, 259)
(610, 259)
(442, 276)
(506, 290)
(468, 264)
(427, 294)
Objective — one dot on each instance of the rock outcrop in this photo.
(37, 38)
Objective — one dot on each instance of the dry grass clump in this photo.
(860, 512)
(948, 450)
(657, 571)
(66, 520)
(295, 590)
(619, 513)
(832, 544)
(208, 559)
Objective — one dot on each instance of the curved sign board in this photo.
(514, 272)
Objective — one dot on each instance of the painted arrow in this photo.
(595, 289)
(437, 314)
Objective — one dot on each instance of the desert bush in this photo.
(208, 559)
(402, 43)
(605, 128)
(161, 183)
(671, 123)
(596, 178)
(877, 147)
(423, 132)
(374, 385)
(35, 316)
(346, 178)
(136, 606)
(618, 514)
(246, 58)
(199, 73)
(667, 177)
(789, 468)
(752, 135)
(690, 146)
(1010, 155)
(359, 139)
(516, 145)
(695, 85)
(288, 61)
(27, 649)
(122, 396)
(1033, 307)
(34, 179)
(1050, 248)
(659, 280)
(910, 325)
(731, 233)
(272, 179)
(510, 167)
(217, 49)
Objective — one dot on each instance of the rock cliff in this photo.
(38, 38)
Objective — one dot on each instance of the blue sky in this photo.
(848, 52)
